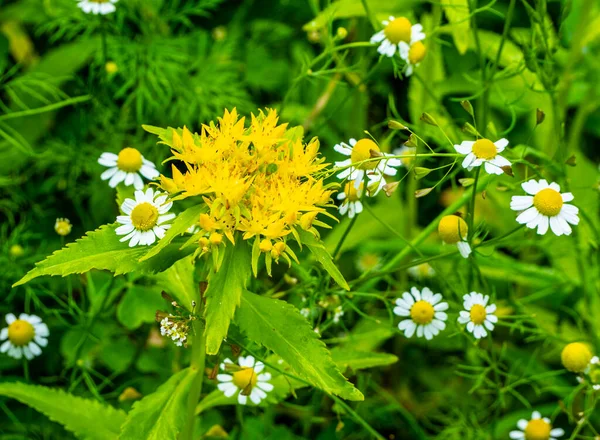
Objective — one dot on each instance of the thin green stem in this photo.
(198, 342)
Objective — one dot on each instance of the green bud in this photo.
(395, 125)
(422, 192)
(412, 141)
(539, 116)
(470, 130)
(428, 119)
(342, 33)
(468, 181)
(468, 107)
(421, 172)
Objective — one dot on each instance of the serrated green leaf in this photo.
(318, 250)
(87, 419)
(162, 414)
(178, 281)
(457, 12)
(101, 249)
(359, 360)
(281, 328)
(139, 305)
(181, 224)
(224, 293)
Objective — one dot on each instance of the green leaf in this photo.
(457, 12)
(139, 305)
(87, 419)
(181, 224)
(359, 360)
(162, 414)
(279, 327)
(178, 281)
(224, 293)
(318, 250)
(101, 249)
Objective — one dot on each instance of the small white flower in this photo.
(23, 336)
(337, 314)
(305, 312)
(96, 7)
(413, 54)
(407, 153)
(477, 314)
(128, 166)
(351, 203)
(545, 206)
(536, 428)
(245, 380)
(145, 218)
(454, 230)
(396, 31)
(486, 152)
(421, 271)
(368, 261)
(425, 311)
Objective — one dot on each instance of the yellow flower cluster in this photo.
(259, 181)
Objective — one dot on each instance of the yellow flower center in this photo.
(484, 149)
(537, 430)
(245, 378)
(452, 229)
(62, 226)
(576, 357)
(478, 314)
(398, 30)
(416, 53)
(548, 202)
(422, 312)
(129, 160)
(362, 151)
(20, 332)
(144, 216)
(352, 192)
(369, 261)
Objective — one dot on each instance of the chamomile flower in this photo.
(96, 7)
(413, 55)
(477, 314)
(338, 312)
(537, 428)
(63, 226)
(421, 271)
(368, 261)
(545, 206)
(453, 230)
(407, 153)
(145, 218)
(245, 380)
(576, 357)
(350, 197)
(396, 31)
(375, 170)
(128, 166)
(425, 311)
(484, 152)
(24, 336)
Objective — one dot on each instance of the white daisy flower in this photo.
(350, 197)
(397, 30)
(96, 7)
(144, 218)
(537, 428)
(407, 153)
(360, 151)
(368, 261)
(453, 230)
(477, 314)
(545, 206)
(413, 54)
(128, 166)
(425, 310)
(421, 271)
(486, 152)
(245, 380)
(23, 336)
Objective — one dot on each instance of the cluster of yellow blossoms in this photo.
(260, 181)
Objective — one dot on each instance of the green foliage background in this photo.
(183, 62)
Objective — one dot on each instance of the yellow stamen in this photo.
(398, 30)
(351, 191)
(362, 151)
(416, 53)
(537, 429)
(548, 202)
(576, 357)
(452, 229)
(478, 314)
(20, 332)
(422, 312)
(244, 378)
(144, 216)
(129, 160)
(484, 149)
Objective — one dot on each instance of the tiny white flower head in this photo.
(396, 31)
(63, 226)
(421, 271)
(97, 7)
(478, 315)
(407, 153)
(128, 166)
(24, 336)
(245, 380)
(453, 230)
(350, 197)
(484, 152)
(425, 312)
(537, 428)
(368, 261)
(337, 314)
(145, 218)
(545, 207)
(413, 54)
(305, 312)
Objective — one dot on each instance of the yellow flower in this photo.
(576, 357)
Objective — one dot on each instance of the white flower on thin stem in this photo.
(477, 314)
(350, 197)
(128, 166)
(145, 218)
(413, 55)
(97, 7)
(396, 31)
(545, 206)
(425, 311)
(245, 380)
(453, 230)
(407, 153)
(537, 428)
(338, 312)
(24, 336)
(421, 271)
(486, 152)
